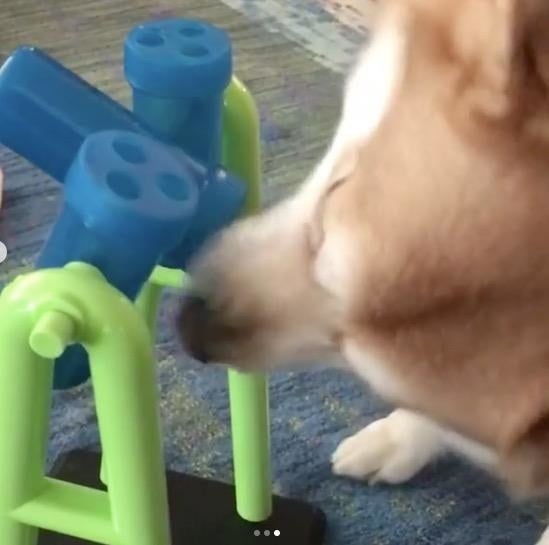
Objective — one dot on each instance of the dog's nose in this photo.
(193, 319)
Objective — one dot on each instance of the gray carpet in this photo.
(298, 94)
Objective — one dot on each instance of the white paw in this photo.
(544, 538)
(391, 450)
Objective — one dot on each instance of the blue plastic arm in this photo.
(47, 111)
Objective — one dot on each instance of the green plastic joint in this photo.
(66, 305)
(52, 333)
(169, 278)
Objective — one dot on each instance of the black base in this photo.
(202, 512)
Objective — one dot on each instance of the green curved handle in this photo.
(248, 392)
(242, 143)
(249, 400)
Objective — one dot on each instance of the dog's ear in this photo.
(503, 46)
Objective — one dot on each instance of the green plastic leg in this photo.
(251, 448)
(129, 423)
(25, 389)
(39, 314)
(248, 392)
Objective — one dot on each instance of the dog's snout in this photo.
(194, 317)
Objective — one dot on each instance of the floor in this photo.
(292, 55)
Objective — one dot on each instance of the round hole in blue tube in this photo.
(150, 39)
(174, 187)
(191, 31)
(194, 50)
(123, 185)
(130, 152)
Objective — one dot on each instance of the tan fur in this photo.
(447, 213)
(451, 206)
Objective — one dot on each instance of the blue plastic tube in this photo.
(178, 70)
(128, 200)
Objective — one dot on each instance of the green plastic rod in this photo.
(242, 142)
(248, 392)
(149, 297)
(251, 445)
(72, 509)
(42, 311)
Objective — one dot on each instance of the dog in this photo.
(416, 254)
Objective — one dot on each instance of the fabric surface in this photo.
(291, 54)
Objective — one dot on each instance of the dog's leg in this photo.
(395, 448)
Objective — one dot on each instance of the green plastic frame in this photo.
(40, 314)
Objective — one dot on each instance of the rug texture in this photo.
(291, 55)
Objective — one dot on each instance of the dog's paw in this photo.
(390, 450)
(544, 538)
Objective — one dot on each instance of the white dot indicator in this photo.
(276, 533)
(257, 533)
(3, 252)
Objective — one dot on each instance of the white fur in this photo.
(395, 448)
(475, 452)
(544, 538)
(391, 450)
(334, 261)
(368, 97)
(373, 371)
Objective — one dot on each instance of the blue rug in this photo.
(448, 504)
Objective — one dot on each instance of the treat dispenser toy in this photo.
(142, 191)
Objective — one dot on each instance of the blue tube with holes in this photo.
(46, 112)
(128, 200)
(178, 70)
